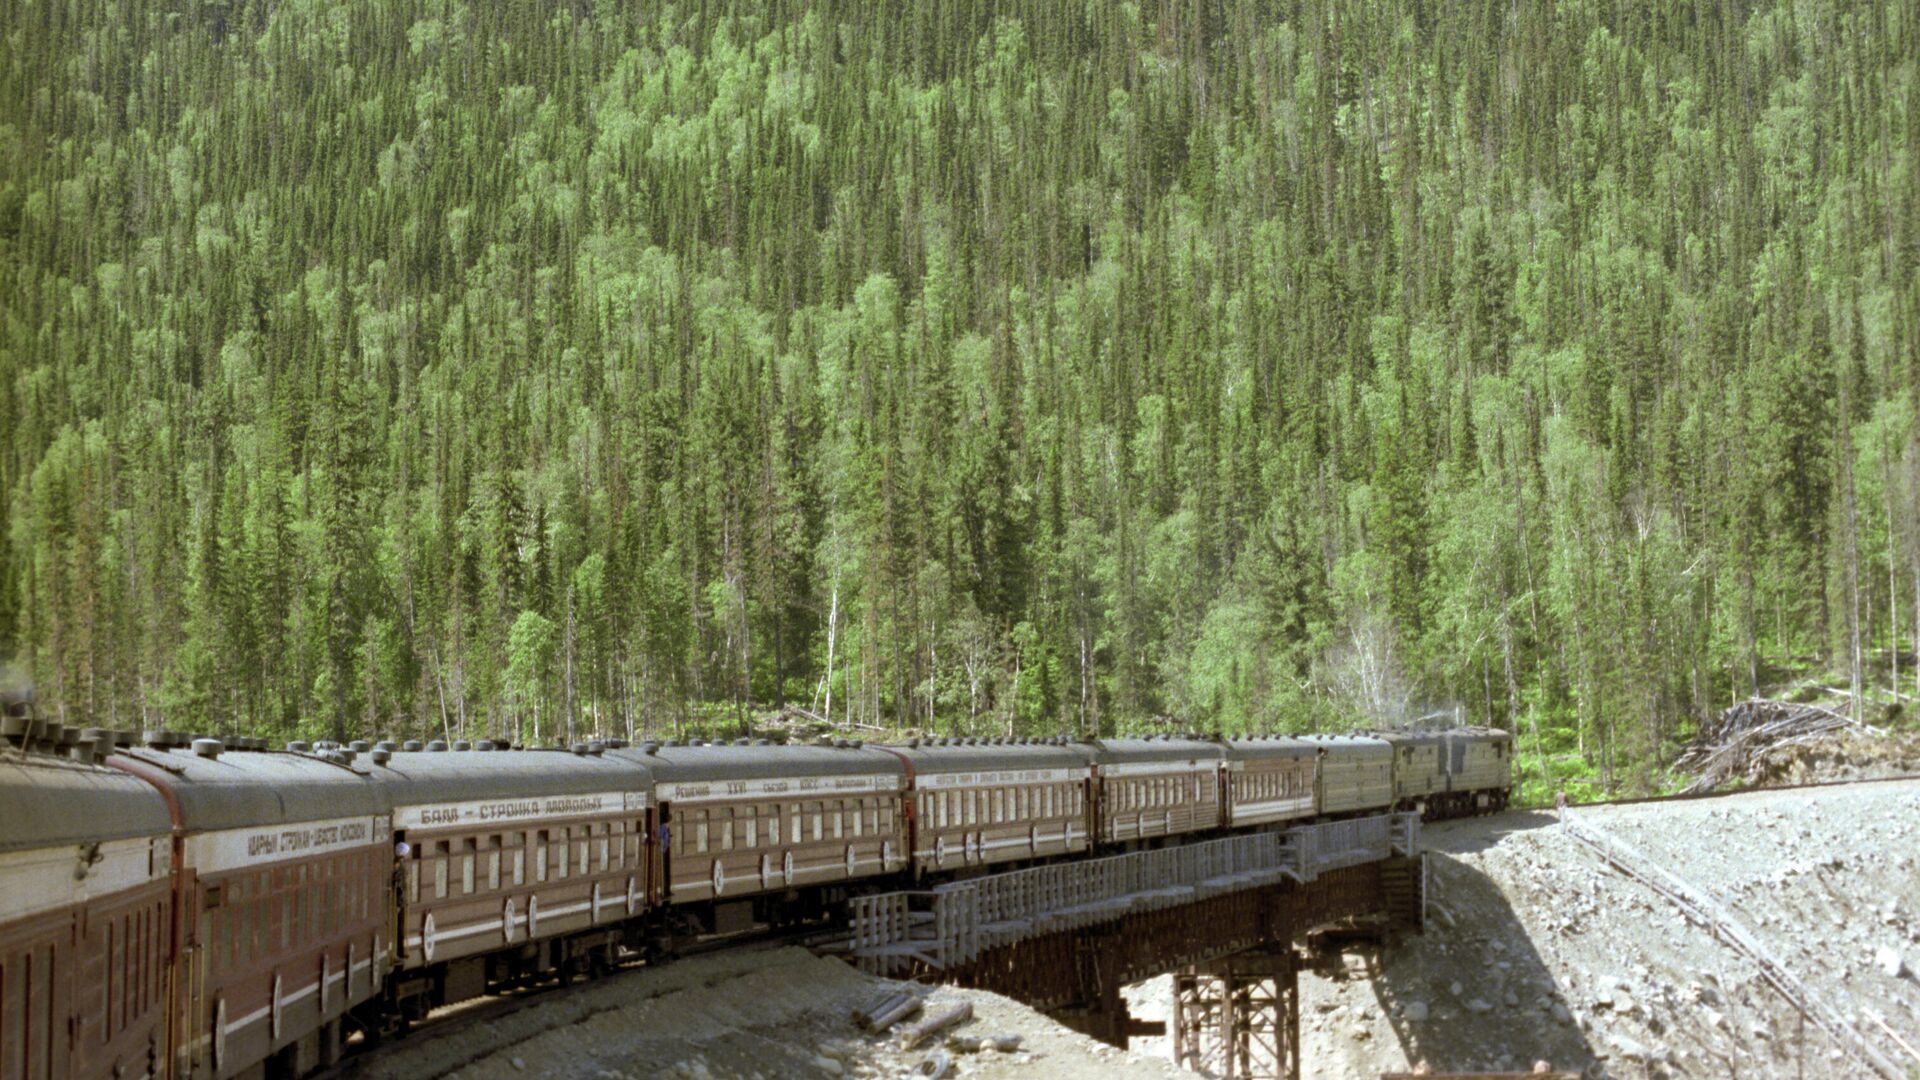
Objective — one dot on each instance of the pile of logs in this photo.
(1728, 746)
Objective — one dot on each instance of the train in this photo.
(182, 908)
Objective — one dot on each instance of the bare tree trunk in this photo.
(833, 619)
(1855, 671)
(1893, 573)
(572, 631)
(440, 684)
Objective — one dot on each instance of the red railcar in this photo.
(282, 902)
(513, 864)
(85, 917)
(980, 805)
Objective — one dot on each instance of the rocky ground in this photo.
(1537, 951)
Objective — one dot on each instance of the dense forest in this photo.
(396, 366)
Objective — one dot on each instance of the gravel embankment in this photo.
(1537, 951)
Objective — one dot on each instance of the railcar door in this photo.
(1093, 795)
(660, 846)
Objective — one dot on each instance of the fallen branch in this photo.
(884, 1014)
(935, 1024)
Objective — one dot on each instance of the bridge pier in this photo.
(1239, 1017)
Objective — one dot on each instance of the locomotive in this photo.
(208, 908)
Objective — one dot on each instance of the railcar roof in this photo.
(1412, 738)
(1114, 751)
(417, 777)
(679, 764)
(1350, 744)
(928, 760)
(1268, 747)
(47, 802)
(262, 787)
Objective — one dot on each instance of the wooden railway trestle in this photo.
(1229, 938)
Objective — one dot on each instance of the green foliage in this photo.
(399, 366)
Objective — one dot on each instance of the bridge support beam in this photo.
(1239, 1017)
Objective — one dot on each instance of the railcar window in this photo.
(600, 843)
(540, 856)
(253, 929)
(819, 827)
(700, 832)
(564, 850)
(106, 984)
(442, 854)
(468, 848)
(839, 820)
(859, 816)
(753, 832)
(413, 878)
(493, 863)
(726, 832)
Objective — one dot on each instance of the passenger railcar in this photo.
(1150, 790)
(1269, 780)
(281, 891)
(86, 908)
(754, 821)
(975, 806)
(513, 864)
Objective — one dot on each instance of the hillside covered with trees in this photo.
(410, 365)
